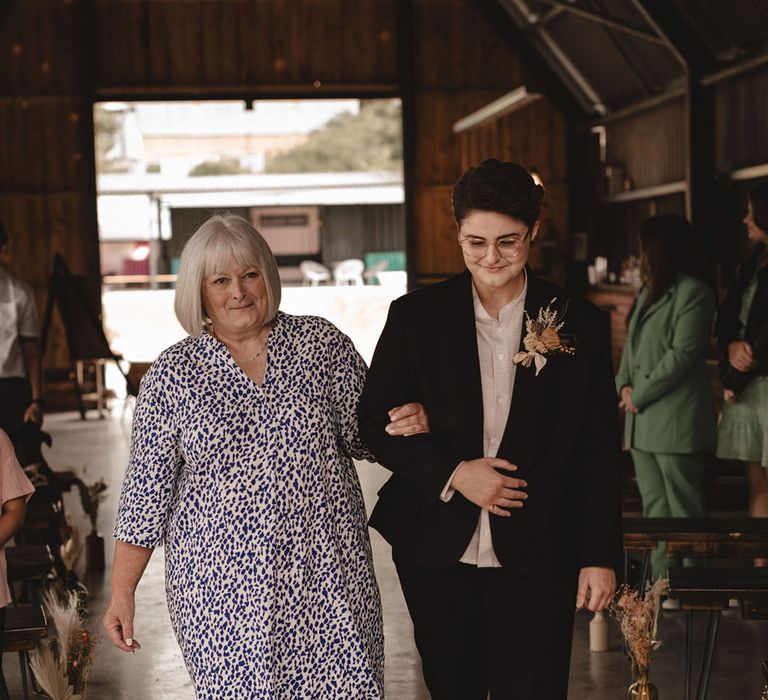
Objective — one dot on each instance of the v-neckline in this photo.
(267, 360)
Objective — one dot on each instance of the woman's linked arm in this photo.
(419, 459)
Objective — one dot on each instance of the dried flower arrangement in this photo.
(543, 336)
(71, 546)
(62, 664)
(91, 498)
(638, 620)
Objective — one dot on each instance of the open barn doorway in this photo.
(322, 180)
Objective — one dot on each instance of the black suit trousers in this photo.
(481, 630)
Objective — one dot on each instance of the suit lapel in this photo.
(659, 303)
(460, 341)
(528, 394)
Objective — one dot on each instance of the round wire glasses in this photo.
(507, 247)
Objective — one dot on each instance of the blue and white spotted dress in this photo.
(252, 489)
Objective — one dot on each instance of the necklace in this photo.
(261, 351)
(258, 354)
(255, 357)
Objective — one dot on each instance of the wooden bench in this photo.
(29, 565)
(708, 589)
(727, 538)
(712, 589)
(25, 626)
(30, 562)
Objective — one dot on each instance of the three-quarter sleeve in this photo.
(347, 381)
(155, 460)
(13, 481)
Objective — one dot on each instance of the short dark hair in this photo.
(669, 246)
(758, 197)
(504, 188)
(3, 235)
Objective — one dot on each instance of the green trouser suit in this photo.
(675, 427)
(670, 487)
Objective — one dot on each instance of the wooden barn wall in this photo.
(459, 64)
(64, 54)
(59, 56)
(46, 146)
(536, 137)
(741, 115)
(264, 46)
(650, 145)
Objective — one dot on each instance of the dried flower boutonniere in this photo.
(543, 337)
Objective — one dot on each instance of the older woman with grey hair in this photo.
(241, 464)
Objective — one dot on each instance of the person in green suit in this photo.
(662, 380)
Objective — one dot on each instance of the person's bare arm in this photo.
(12, 519)
(30, 349)
(127, 569)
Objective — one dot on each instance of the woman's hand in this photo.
(118, 622)
(478, 481)
(729, 396)
(408, 419)
(740, 356)
(626, 400)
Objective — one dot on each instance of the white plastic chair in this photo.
(349, 272)
(313, 273)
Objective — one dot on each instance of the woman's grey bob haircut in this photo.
(218, 243)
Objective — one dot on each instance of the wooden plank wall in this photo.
(650, 145)
(460, 64)
(741, 115)
(46, 145)
(59, 56)
(267, 47)
(536, 137)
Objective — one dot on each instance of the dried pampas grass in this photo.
(62, 663)
(51, 676)
(638, 619)
(64, 616)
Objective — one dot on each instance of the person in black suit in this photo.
(507, 512)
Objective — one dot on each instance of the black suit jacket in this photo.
(562, 433)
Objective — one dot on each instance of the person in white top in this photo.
(505, 517)
(20, 369)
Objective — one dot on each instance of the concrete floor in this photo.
(96, 449)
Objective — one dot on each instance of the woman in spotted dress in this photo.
(241, 464)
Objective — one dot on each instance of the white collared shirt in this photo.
(498, 341)
(18, 319)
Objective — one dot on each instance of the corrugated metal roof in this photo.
(729, 28)
(621, 68)
(618, 54)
